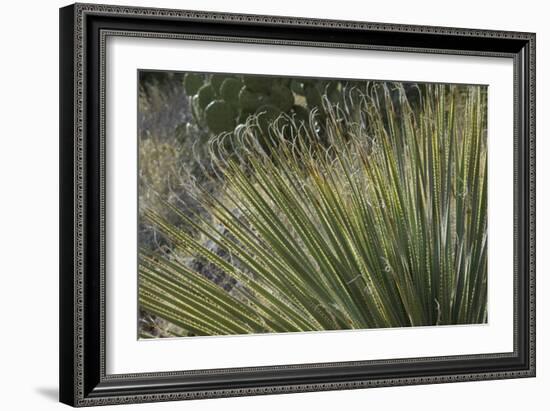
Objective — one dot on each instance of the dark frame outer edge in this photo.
(82, 382)
(66, 202)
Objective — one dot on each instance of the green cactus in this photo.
(297, 87)
(259, 84)
(313, 96)
(192, 82)
(301, 114)
(219, 102)
(206, 95)
(242, 117)
(250, 101)
(216, 81)
(230, 89)
(219, 116)
(333, 92)
(267, 114)
(195, 109)
(282, 97)
(283, 81)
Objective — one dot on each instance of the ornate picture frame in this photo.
(84, 31)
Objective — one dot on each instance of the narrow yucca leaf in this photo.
(379, 222)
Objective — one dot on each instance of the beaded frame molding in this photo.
(83, 32)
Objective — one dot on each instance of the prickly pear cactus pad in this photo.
(248, 95)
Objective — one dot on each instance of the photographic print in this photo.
(275, 204)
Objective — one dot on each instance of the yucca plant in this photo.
(380, 223)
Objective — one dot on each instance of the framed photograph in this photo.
(259, 204)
